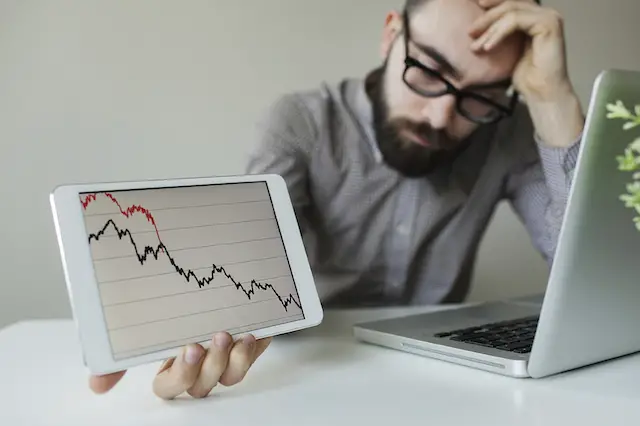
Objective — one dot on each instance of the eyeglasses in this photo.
(487, 105)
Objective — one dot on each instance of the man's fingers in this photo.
(512, 7)
(511, 16)
(261, 346)
(240, 359)
(503, 28)
(103, 384)
(197, 371)
(179, 374)
(493, 3)
(213, 365)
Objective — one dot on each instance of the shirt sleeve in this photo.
(538, 187)
(282, 144)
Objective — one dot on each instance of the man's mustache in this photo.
(439, 140)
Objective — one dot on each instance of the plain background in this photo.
(111, 90)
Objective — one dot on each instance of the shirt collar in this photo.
(364, 110)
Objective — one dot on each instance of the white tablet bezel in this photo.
(81, 281)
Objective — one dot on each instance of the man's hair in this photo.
(411, 5)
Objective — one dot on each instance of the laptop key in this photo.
(485, 344)
(518, 345)
(493, 337)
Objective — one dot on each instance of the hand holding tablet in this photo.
(197, 370)
(156, 269)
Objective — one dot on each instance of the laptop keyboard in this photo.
(512, 336)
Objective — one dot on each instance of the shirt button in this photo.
(403, 230)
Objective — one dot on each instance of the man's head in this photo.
(416, 129)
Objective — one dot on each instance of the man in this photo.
(394, 179)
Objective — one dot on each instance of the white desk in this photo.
(317, 377)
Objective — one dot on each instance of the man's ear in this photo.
(391, 30)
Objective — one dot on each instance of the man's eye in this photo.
(495, 94)
(430, 63)
(425, 60)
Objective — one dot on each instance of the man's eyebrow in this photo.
(434, 54)
(500, 84)
(449, 68)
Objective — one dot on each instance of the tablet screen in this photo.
(175, 265)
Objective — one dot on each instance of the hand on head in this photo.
(542, 72)
(197, 371)
(541, 75)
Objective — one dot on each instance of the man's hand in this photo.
(197, 371)
(541, 75)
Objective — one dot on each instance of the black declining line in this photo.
(189, 274)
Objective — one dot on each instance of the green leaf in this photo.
(637, 111)
(630, 125)
(618, 110)
(628, 162)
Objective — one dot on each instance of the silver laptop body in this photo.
(590, 311)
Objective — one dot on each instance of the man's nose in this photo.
(440, 111)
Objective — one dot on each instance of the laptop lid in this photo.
(591, 308)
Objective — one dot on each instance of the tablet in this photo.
(151, 266)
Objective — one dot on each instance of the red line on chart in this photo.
(128, 212)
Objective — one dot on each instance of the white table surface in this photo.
(316, 377)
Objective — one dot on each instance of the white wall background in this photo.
(111, 90)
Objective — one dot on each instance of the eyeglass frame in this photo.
(459, 94)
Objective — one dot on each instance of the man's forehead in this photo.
(453, 6)
(444, 24)
(445, 13)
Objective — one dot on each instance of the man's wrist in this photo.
(559, 121)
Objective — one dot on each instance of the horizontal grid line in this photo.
(195, 247)
(186, 207)
(181, 228)
(197, 290)
(192, 314)
(201, 336)
(192, 269)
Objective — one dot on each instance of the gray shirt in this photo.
(374, 237)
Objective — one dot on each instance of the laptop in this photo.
(590, 310)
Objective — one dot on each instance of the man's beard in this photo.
(404, 155)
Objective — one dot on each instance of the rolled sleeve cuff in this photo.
(559, 163)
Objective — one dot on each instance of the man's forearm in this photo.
(559, 121)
